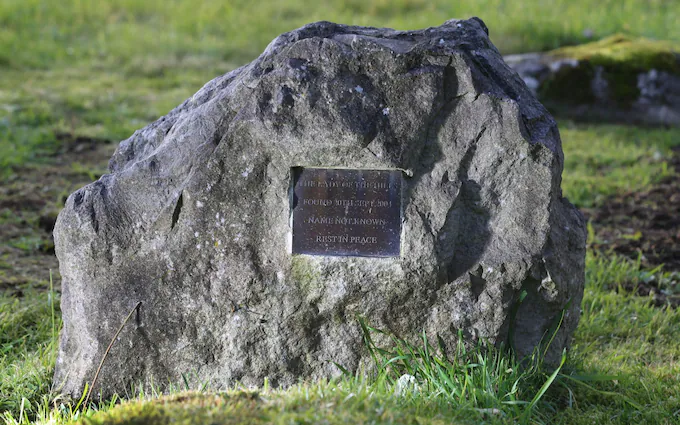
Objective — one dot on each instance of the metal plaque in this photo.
(346, 212)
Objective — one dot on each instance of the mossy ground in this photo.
(77, 77)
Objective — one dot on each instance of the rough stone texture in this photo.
(193, 220)
(644, 89)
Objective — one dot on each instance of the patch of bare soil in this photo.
(644, 225)
(29, 203)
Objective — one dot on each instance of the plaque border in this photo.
(296, 170)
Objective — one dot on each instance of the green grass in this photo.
(28, 340)
(620, 335)
(40, 105)
(623, 368)
(104, 69)
(605, 160)
(128, 32)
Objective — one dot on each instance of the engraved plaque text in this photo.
(346, 212)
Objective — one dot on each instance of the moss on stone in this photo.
(304, 274)
(568, 85)
(619, 59)
(621, 51)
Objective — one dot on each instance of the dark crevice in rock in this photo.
(93, 218)
(153, 166)
(177, 210)
(138, 316)
(217, 139)
(477, 284)
(285, 97)
(77, 198)
(445, 178)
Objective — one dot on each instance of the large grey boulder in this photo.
(194, 219)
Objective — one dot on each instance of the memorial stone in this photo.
(408, 178)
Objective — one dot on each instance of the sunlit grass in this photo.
(115, 33)
(623, 367)
(28, 341)
(605, 160)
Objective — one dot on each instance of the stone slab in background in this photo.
(617, 79)
(193, 220)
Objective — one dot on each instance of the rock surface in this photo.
(193, 220)
(616, 79)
